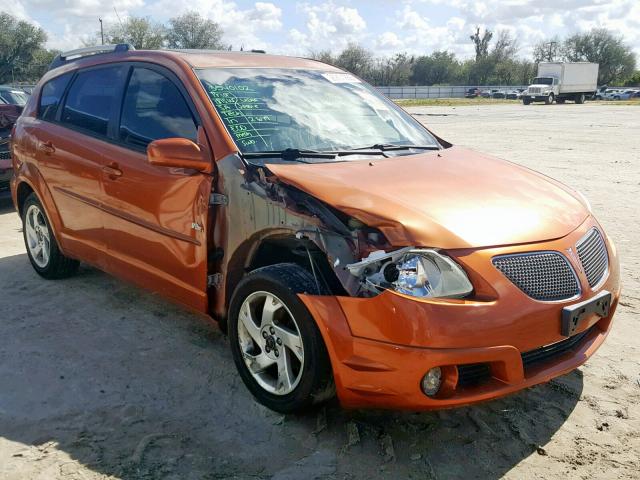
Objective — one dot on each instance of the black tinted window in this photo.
(50, 96)
(92, 99)
(154, 108)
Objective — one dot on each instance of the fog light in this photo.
(431, 381)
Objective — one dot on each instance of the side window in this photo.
(154, 108)
(50, 96)
(92, 99)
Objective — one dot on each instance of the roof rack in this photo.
(71, 55)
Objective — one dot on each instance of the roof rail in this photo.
(71, 55)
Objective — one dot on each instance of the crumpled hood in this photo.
(453, 198)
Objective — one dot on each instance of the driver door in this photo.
(156, 217)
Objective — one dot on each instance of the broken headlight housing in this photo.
(423, 273)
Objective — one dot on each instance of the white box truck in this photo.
(562, 81)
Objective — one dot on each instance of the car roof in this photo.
(204, 59)
(209, 58)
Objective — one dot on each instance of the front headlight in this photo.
(427, 273)
(423, 273)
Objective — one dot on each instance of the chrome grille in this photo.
(593, 255)
(545, 276)
(535, 90)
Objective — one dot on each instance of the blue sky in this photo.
(384, 26)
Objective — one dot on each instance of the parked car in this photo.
(486, 93)
(623, 95)
(11, 103)
(472, 93)
(599, 94)
(611, 93)
(498, 94)
(12, 96)
(513, 95)
(343, 246)
(636, 94)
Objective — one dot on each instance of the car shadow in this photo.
(99, 375)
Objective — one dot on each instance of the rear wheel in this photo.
(560, 100)
(43, 250)
(276, 345)
(580, 98)
(549, 99)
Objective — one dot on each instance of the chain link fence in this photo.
(442, 91)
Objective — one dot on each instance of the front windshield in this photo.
(14, 97)
(543, 81)
(268, 109)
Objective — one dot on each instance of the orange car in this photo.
(344, 247)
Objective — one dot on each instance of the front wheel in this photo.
(43, 250)
(526, 101)
(276, 345)
(549, 99)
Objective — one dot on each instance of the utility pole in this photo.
(101, 32)
(551, 54)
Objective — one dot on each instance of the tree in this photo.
(547, 50)
(481, 43)
(438, 68)
(38, 66)
(634, 80)
(19, 42)
(617, 60)
(324, 56)
(140, 32)
(356, 59)
(394, 70)
(191, 30)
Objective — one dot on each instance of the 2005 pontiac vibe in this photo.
(344, 247)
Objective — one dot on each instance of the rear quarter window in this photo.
(50, 96)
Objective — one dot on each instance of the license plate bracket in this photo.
(572, 315)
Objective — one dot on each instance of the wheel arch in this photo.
(274, 247)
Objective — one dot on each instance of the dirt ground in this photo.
(99, 379)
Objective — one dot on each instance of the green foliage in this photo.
(191, 30)
(20, 42)
(617, 60)
(634, 80)
(140, 32)
(440, 67)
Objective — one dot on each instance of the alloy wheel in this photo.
(38, 236)
(270, 343)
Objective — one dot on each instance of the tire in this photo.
(560, 100)
(549, 99)
(42, 248)
(526, 101)
(580, 98)
(266, 348)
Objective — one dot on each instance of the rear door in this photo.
(72, 130)
(156, 217)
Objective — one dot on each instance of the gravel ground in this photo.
(99, 379)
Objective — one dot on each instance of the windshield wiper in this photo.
(385, 147)
(290, 154)
(296, 155)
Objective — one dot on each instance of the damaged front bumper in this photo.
(487, 346)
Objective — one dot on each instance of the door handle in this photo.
(47, 148)
(112, 170)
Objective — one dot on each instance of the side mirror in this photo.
(177, 153)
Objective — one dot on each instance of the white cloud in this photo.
(415, 26)
(328, 26)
